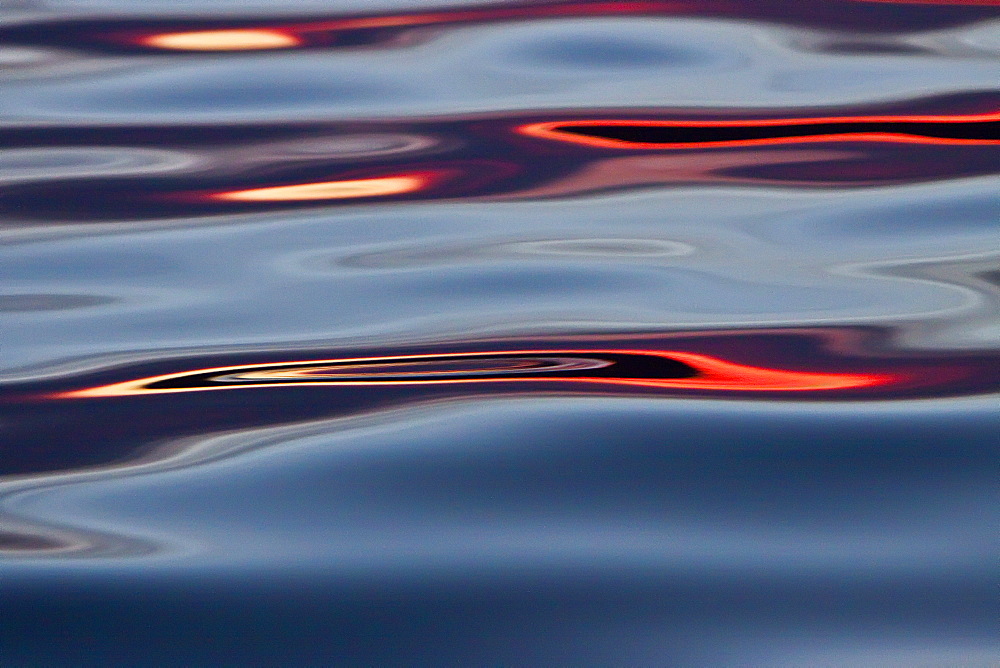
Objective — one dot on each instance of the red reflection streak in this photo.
(497, 14)
(551, 130)
(714, 374)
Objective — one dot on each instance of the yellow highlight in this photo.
(390, 185)
(223, 40)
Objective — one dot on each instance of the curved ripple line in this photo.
(419, 370)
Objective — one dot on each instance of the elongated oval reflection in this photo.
(975, 129)
(652, 369)
(223, 40)
(377, 187)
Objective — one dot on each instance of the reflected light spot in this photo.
(389, 185)
(223, 40)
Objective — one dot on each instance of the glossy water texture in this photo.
(578, 332)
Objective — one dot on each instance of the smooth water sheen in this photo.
(551, 332)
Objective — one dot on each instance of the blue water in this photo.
(496, 392)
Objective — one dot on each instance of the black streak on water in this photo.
(651, 134)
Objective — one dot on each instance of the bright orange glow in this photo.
(223, 40)
(553, 130)
(714, 374)
(387, 185)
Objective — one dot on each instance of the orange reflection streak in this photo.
(539, 11)
(223, 40)
(376, 187)
(713, 374)
(552, 130)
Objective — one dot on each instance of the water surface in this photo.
(518, 333)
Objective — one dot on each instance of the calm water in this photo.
(388, 332)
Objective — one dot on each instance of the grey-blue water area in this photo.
(494, 332)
